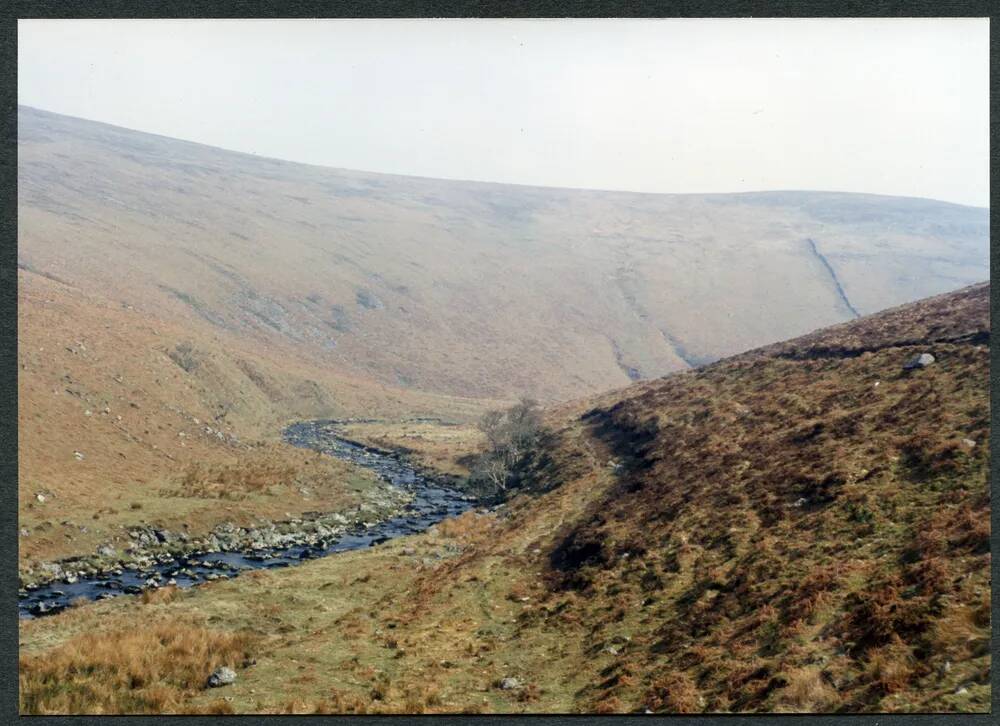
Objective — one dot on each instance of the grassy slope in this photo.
(443, 448)
(782, 534)
(152, 416)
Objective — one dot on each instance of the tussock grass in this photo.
(159, 596)
(233, 481)
(465, 526)
(807, 692)
(145, 670)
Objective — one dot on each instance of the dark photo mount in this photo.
(730, 524)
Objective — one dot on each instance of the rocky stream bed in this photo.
(414, 501)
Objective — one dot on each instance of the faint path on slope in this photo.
(833, 277)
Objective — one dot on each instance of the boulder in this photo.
(509, 684)
(44, 608)
(919, 361)
(221, 677)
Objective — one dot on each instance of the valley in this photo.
(815, 508)
(742, 495)
(411, 503)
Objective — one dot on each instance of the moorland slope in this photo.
(462, 288)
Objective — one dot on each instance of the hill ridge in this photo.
(400, 278)
(462, 181)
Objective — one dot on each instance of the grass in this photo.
(443, 448)
(233, 481)
(145, 670)
(269, 481)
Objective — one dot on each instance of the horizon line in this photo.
(491, 182)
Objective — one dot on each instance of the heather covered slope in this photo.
(800, 528)
(808, 523)
(463, 288)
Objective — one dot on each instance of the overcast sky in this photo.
(882, 106)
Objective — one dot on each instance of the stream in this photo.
(431, 503)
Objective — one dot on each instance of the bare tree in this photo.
(510, 434)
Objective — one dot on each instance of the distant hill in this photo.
(465, 288)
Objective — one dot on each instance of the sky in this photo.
(885, 106)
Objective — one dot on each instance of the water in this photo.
(431, 503)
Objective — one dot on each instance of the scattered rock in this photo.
(509, 684)
(44, 608)
(368, 300)
(968, 444)
(919, 361)
(221, 677)
(40, 497)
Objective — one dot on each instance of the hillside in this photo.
(180, 303)
(803, 527)
(460, 288)
(117, 407)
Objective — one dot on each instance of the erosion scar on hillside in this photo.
(833, 277)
